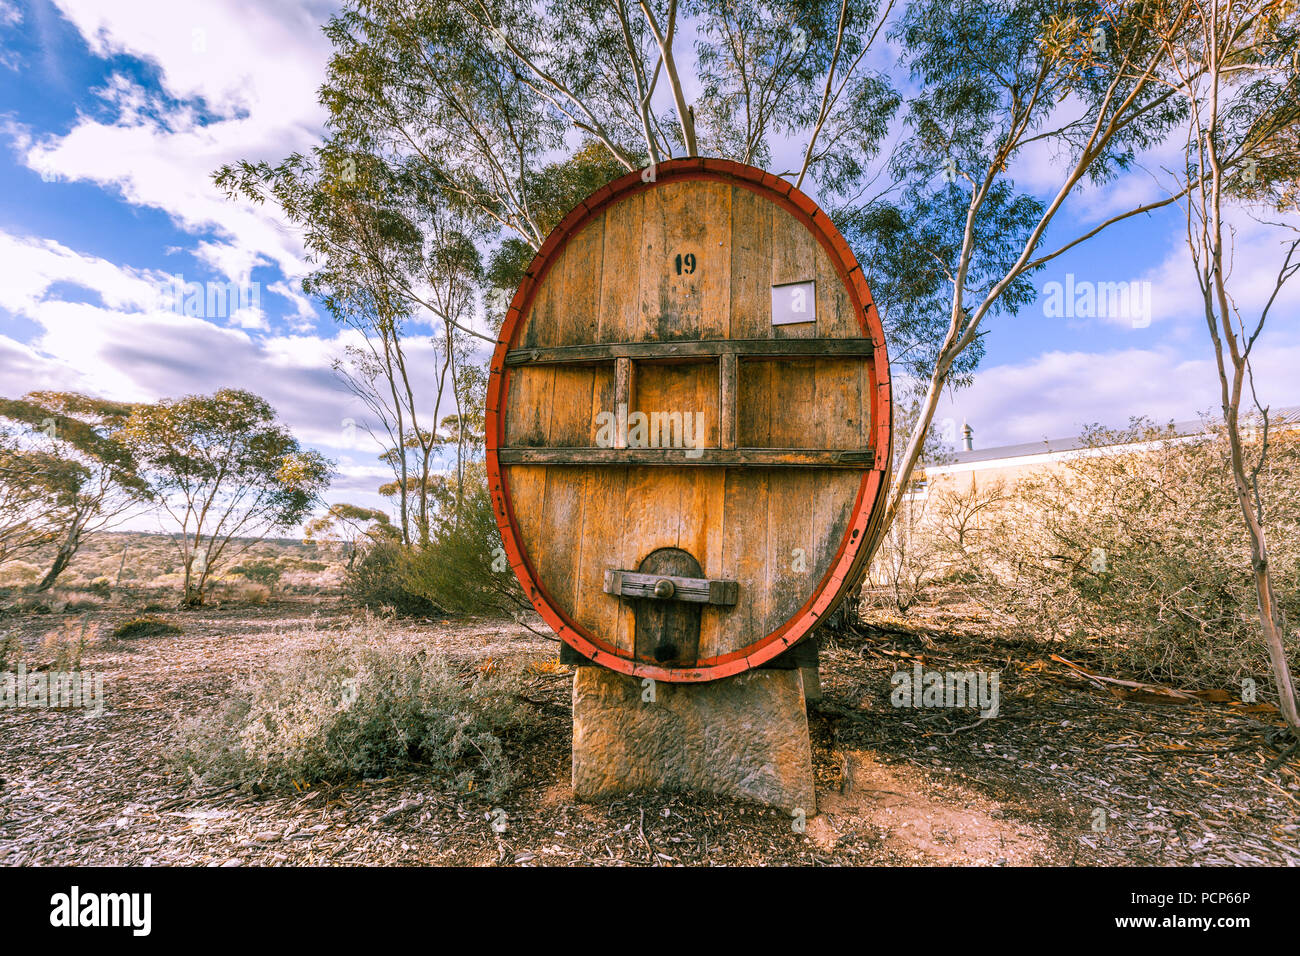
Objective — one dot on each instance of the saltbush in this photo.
(359, 704)
(147, 626)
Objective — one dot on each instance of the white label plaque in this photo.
(794, 302)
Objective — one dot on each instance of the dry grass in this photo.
(98, 791)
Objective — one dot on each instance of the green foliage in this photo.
(461, 571)
(147, 626)
(228, 445)
(360, 704)
(762, 67)
(265, 572)
(378, 582)
(350, 528)
(65, 474)
(464, 569)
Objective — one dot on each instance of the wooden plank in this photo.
(528, 414)
(528, 410)
(702, 350)
(744, 559)
(603, 543)
(727, 410)
(561, 525)
(620, 281)
(539, 324)
(791, 494)
(797, 417)
(794, 259)
(573, 391)
(528, 495)
(754, 404)
(575, 319)
(842, 403)
(751, 265)
(624, 398)
(852, 459)
(835, 316)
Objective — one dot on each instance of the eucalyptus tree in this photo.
(26, 475)
(995, 79)
(1235, 66)
(224, 469)
(505, 114)
(350, 529)
(89, 481)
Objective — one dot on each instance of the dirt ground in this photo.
(1066, 773)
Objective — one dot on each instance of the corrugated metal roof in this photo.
(1288, 416)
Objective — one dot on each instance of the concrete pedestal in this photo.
(744, 737)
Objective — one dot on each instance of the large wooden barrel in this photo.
(710, 532)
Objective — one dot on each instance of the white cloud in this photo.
(255, 66)
(1055, 394)
(28, 267)
(132, 344)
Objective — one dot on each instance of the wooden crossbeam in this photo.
(857, 459)
(702, 350)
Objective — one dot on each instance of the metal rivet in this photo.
(664, 589)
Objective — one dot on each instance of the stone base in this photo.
(744, 737)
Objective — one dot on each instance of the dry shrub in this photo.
(146, 626)
(378, 582)
(260, 571)
(464, 570)
(1141, 560)
(311, 581)
(360, 704)
(240, 592)
(547, 667)
(68, 645)
(19, 574)
(11, 652)
(74, 602)
(939, 542)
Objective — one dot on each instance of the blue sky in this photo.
(113, 114)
